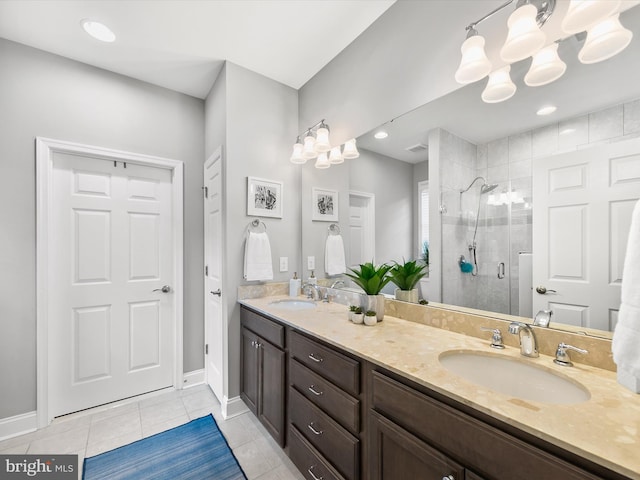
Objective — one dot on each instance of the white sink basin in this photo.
(293, 304)
(514, 377)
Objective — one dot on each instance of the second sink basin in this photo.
(293, 304)
(514, 377)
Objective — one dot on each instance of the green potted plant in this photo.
(352, 310)
(370, 318)
(371, 279)
(406, 277)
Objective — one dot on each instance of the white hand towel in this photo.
(257, 257)
(334, 261)
(626, 337)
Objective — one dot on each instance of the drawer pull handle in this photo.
(314, 391)
(315, 432)
(314, 358)
(448, 477)
(310, 470)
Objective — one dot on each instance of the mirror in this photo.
(595, 103)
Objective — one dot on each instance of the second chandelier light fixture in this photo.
(605, 38)
(320, 148)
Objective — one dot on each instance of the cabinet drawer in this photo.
(308, 460)
(270, 331)
(470, 441)
(340, 405)
(337, 445)
(340, 369)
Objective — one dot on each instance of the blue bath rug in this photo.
(195, 450)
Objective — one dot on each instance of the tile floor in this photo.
(98, 430)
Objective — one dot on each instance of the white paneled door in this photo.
(111, 317)
(215, 330)
(583, 204)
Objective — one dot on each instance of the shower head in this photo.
(485, 188)
(488, 187)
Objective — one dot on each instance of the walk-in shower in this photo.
(484, 188)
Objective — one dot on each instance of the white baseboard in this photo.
(191, 379)
(232, 407)
(18, 425)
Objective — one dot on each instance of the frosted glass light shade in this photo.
(349, 150)
(335, 157)
(296, 156)
(584, 13)
(604, 40)
(98, 30)
(308, 150)
(499, 87)
(322, 161)
(525, 37)
(474, 64)
(322, 140)
(546, 67)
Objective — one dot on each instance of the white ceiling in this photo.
(182, 44)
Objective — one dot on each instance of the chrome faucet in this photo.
(312, 287)
(337, 283)
(528, 343)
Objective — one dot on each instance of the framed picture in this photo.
(325, 205)
(264, 198)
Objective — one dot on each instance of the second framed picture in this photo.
(324, 204)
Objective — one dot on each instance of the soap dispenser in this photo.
(312, 280)
(294, 285)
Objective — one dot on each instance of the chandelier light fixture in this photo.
(316, 144)
(605, 37)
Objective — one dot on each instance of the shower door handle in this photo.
(501, 270)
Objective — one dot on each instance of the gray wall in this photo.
(257, 132)
(391, 181)
(46, 95)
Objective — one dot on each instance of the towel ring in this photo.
(334, 229)
(255, 225)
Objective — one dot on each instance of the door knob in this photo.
(164, 289)
(218, 292)
(542, 290)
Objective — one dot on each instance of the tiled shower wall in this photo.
(504, 231)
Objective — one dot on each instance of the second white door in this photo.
(213, 308)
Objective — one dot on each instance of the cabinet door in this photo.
(249, 370)
(397, 455)
(272, 385)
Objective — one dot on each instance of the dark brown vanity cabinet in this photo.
(324, 410)
(263, 372)
(414, 435)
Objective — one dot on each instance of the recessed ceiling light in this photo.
(98, 30)
(381, 134)
(547, 110)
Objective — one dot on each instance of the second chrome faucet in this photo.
(528, 342)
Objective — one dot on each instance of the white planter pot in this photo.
(370, 320)
(410, 296)
(357, 318)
